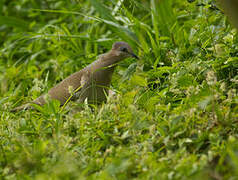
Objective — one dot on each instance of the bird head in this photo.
(123, 50)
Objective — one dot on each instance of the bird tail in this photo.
(22, 107)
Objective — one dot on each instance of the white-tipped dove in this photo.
(92, 82)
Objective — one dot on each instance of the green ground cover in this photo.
(174, 114)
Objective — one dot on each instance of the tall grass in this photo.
(174, 115)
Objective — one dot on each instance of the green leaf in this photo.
(162, 16)
(139, 80)
(186, 81)
(109, 19)
(103, 10)
(13, 22)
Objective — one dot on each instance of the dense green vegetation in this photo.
(174, 114)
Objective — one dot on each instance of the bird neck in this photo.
(110, 59)
(107, 61)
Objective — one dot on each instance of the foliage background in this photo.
(174, 115)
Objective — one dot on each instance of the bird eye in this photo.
(124, 49)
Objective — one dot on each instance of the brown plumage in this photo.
(92, 82)
(230, 8)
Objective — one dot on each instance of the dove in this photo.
(91, 83)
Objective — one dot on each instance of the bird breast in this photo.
(99, 85)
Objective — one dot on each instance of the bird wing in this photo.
(68, 88)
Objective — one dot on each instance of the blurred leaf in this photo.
(129, 71)
(186, 81)
(232, 61)
(205, 102)
(139, 80)
(162, 16)
(14, 22)
(109, 19)
(151, 102)
(129, 97)
(103, 10)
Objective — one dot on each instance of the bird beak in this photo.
(135, 56)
